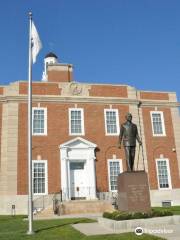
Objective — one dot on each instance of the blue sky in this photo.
(134, 42)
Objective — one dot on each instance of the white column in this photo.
(68, 179)
(94, 177)
(64, 173)
(92, 174)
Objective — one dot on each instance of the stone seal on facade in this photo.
(75, 88)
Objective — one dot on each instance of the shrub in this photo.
(119, 215)
(137, 215)
(123, 216)
(107, 215)
(161, 213)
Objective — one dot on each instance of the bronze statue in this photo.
(129, 134)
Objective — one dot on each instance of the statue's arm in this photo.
(121, 135)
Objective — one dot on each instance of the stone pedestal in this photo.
(133, 192)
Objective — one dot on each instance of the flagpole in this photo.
(30, 207)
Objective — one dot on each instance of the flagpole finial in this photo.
(30, 14)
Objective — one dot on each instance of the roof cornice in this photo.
(98, 100)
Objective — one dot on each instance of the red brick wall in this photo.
(1, 90)
(160, 145)
(108, 91)
(154, 96)
(58, 133)
(59, 76)
(40, 88)
(22, 162)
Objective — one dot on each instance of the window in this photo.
(76, 165)
(163, 173)
(114, 168)
(39, 121)
(157, 121)
(166, 203)
(76, 121)
(111, 121)
(40, 177)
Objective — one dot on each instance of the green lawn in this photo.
(15, 228)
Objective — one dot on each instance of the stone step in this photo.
(46, 212)
(93, 206)
(78, 207)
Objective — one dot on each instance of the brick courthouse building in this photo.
(75, 136)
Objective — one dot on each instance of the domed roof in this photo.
(51, 54)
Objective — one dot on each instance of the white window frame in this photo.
(163, 123)
(117, 121)
(46, 177)
(45, 121)
(121, 170)
(82, 121)
(168, 170)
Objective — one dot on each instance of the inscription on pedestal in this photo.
(137, 192)
(133, 192)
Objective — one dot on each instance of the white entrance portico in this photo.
(78, 177)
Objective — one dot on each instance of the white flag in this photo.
(36, 42)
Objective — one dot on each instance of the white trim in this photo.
(168, 171)
(163, 124)
(46, 176)
(121, 170)
(68, 143)
(82, 121)
(117, 121)
(71, 151)
(68, 179)
(45, 121)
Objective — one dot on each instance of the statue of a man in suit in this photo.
(129, 134)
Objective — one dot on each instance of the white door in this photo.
(77, 180)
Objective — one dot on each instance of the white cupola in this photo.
(49, 59)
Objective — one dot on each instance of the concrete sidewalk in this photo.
(172, 232)
(92, 229)
(94, 216)
(96, 229)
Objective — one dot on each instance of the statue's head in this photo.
(129, 117)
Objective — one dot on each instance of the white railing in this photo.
(81, 193)
(42, 202)
(78, 193)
